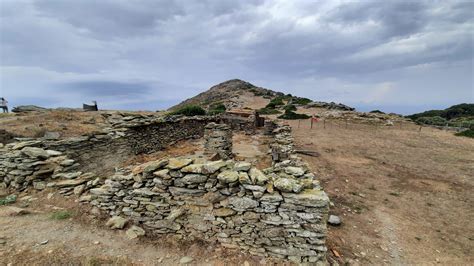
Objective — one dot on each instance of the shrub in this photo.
(7, 200)
(189, 110)
(434, 121)
(290, 115)
(376, 112)
(268, 111)
(289, 107)
(60, 215)
(466, 133)
(216, 109)
(301, 101)
(277, 101)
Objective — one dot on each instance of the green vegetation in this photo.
(7, 200)
(268, 111)
(290, 115)
(300, 100)
(277, 101)
(289, 107)
(190, 110)
(461, 115)
(376, 112)
(60, 215)
(455, 111)
(466, 133)
(216, 109)
(434, 121)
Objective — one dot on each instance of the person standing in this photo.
(4, 105)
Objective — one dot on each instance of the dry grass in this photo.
(404, 195)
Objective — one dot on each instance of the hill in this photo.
(460, 115)
(230, 93)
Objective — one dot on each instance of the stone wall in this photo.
(157, 136)
(218, 141)
(279, 212)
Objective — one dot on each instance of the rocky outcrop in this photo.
(28, 108)
(331, 106)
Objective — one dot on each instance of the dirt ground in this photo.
(38, 239)
(404, 195)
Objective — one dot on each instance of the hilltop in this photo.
(231, 93)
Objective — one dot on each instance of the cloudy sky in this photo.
(400, 56)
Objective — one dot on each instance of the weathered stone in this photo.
(310, 198)
(186, 260)
(176, 191)
(242, 166)
(134, 232)
(257, 176)
(67, 162)
(178, 163)
(175, 214)
(152, 166)
(334, 220)
(288, 185)
(162, 174)
(71, 183)
(242, 204)
(244, 178)
(116, 222)
(294, 171)
(228, 176)
(194, 179)
(34, 152)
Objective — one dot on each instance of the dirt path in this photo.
(405, 197)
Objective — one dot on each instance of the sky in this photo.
(396, 56)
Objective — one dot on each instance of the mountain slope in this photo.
(233, 93)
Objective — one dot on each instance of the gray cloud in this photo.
(170, 50)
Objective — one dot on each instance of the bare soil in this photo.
(38, 239)
(404, 195)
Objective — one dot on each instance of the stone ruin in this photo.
(280, 211)
(218, 139)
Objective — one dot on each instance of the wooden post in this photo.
(346, 124)
(311, 122)
(299, 121)
(324, 123)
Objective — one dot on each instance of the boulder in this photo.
(134, 232)
(334, 220)
(116, 222)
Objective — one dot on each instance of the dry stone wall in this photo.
(280, 211)
(218, 139)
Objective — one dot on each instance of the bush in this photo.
(189, 110)
(434, 121)
(277, 101)
(7, 200)
(268, 111)
(301, 101)
(466, 133)
(216, 109)
(290, 115)
(376, 112)
(289, 107)
(60, 215)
